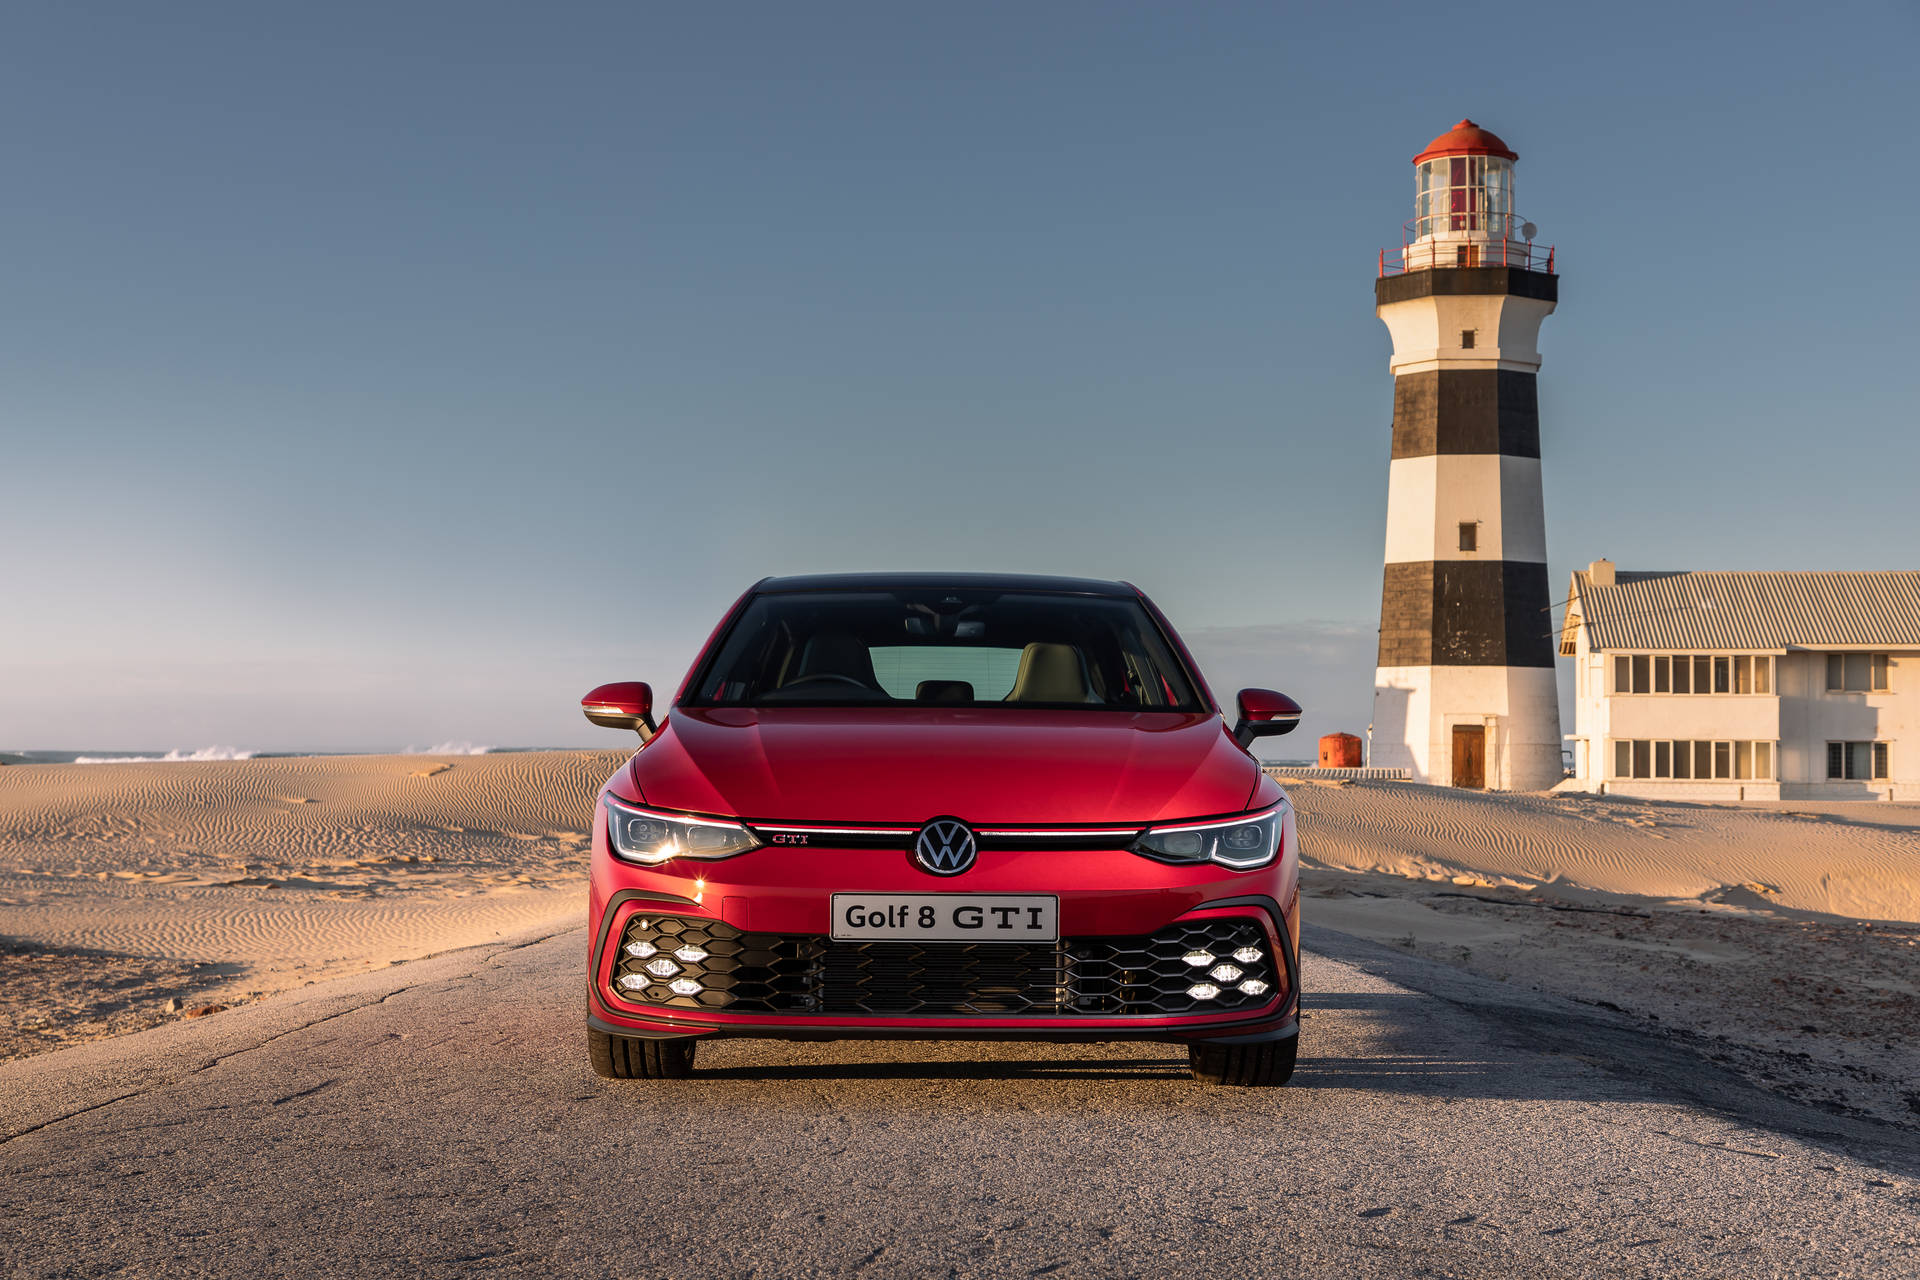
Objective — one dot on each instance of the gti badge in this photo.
(945, 847)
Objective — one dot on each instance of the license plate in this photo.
(946, 917)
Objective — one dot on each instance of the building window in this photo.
(1856, 761)
(1856, 672)
(1693, 761)
(1466, 339)
(1694, 673)
(1469, 535)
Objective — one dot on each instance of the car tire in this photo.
(1266, 1065)
(619, 1058)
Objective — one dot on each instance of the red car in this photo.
(942, 806)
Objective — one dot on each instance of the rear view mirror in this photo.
(627, 704)
(1265, 714)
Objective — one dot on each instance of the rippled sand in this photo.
(126, 886)
(1856, 860)
(1783, 941)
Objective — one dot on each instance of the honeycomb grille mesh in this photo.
(1103, 977)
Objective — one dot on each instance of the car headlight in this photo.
(1243, 843)
(649, 837)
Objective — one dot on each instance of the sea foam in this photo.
(175, 756)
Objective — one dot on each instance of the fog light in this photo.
(1198, 958)
(632, 982)
(1226, 972)
(1203, 991)
(684, 987)
(641, 950)
(1254, 987)
(1247, 955)
(691, 954)
(662, 967)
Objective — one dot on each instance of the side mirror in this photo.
(1265, 714)
(627, 704)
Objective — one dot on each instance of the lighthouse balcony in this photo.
(1445, 247)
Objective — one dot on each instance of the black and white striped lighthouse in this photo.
(1465, 693)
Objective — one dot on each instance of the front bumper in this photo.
(1229, 970)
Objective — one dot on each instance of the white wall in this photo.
(1811, 717)
(1429, 498)
(1426, 332)
(1417, 708)
(1801, 716)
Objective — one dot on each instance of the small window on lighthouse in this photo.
(1466, 339)
(1469, 535)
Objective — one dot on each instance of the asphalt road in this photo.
(440, 1119)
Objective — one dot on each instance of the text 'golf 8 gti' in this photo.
(942, 806)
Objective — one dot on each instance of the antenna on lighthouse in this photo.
(1528, 231)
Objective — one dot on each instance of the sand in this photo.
(124, 887)
(1858, 860)
(1784, 939)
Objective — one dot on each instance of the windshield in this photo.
(966, 648)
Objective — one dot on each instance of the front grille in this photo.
(720, 968)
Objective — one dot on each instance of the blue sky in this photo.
(375, 375)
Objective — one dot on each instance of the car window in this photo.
(971, 647)
(987, 672)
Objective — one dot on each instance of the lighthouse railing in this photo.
(1472, 249)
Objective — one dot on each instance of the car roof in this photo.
(936, 581)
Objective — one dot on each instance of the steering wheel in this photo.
(861, 685)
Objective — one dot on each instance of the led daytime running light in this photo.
(1240, 843)
(651, 837)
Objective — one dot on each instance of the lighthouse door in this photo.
(1469, 756)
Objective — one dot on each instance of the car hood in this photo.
(906, 765)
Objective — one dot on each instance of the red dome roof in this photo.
(1466, 139)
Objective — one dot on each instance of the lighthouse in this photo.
(1464, 694)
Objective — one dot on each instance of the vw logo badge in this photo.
(945, 847)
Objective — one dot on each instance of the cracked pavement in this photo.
(440, 1118)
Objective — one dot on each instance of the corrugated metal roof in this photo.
(1772, 609)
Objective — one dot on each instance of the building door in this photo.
(1469, 756)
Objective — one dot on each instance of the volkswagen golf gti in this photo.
(940, 806)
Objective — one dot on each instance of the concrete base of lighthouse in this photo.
(1430, 720)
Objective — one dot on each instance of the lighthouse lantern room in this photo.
(1463, 207)
(1464, 693)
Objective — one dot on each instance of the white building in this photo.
(1746, 686)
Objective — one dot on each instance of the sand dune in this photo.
(1855, 860)
(332, 812)
(126, 886)
(1776, 941)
